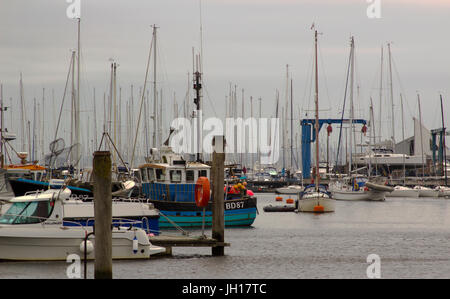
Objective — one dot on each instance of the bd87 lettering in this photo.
(234, 205)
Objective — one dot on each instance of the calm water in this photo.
(411, 237)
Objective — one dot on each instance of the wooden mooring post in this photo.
(102, 215)
(217, 176)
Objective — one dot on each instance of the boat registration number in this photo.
(234, 205)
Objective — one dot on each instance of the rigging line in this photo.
(310, 81)
(208, 97)
(343, 108)
(324, 75)
(64, 96)
(142, 101)
(401, 86)
(306, 81)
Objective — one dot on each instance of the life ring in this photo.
(202, 192)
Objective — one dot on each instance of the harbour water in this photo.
(410, 236)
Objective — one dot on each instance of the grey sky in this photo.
(246, 42)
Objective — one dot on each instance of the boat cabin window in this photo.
(27, 212)
(175, 176)
(160, 175)
(202, 173)
(151, 174)
(190, 177)
(144, 174)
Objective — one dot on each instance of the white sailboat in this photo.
(315, 198)
(403, 191)
(426, 192)
(32, 229)
(291, 189)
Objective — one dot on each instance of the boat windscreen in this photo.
(27, 212)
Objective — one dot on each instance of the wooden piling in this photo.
(217, 176)
(102, 214)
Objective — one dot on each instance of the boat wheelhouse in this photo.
(168, 182)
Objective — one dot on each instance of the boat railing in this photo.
(117, 221)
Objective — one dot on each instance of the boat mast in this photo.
(77, 110)
(292, 127)
(352, 70)
(392, 97)
(372, 136)
(381, 96)
(316, 124)
(155, 94)
(197, 101)
(403, 138)
(443, 141)
(421, 138)
(2, 158)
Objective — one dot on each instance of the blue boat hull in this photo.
(177, 204)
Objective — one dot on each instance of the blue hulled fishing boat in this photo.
(168, 182)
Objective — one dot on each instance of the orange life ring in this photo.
(202, 192)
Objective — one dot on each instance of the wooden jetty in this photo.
(169, 241)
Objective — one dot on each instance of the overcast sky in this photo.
(245, 42)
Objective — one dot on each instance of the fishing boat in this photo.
(32, 229)
(315, 198)
(169, 182)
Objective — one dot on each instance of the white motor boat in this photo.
(316, 201)
(426, 192)
(443, 191)
(32, 229)
(403, 191)
(292, 189)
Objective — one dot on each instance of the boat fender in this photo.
(89, 247)
(135, 245)
(202, 191)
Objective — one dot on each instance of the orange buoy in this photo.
(202, 191)
(289, 200)
(318, 209)
(279, 198)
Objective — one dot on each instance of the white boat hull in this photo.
(358, 195)
(27, 243)
(287, 190)
(409, 193)
(310, 201)
(443, 191)
(428, 193)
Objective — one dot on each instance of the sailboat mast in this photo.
(155, 94)
(403, 138)
(316, 124)
(77, 110)
(352, 72)
(421, 137)
(443, 141)
(392, 96)
(2, 160)
(381, 96)
(292, 127)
